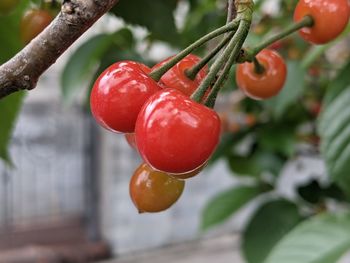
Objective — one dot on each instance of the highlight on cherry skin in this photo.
(119, 94)
(154, 191)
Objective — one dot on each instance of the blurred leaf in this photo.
(338, 85)
(9, 109)
(156, 15)
(291, 91)
(278, 138)
(322, 239)
(334, 130)
(314, 193)
(82, 64)
(10, 106)
(10, 42)
(267, 227)
(256, 163)
(202, 19)
(225, 204)
(311, 192)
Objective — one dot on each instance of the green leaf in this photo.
(9, 109)
(267, 227)
(334, 130)
(291, 91)
(156, 15)
(225, 204)
(278, 138)
(256, 163)
(322, 239)
(10, 42)
(338, 85)
(83, 63)
(10, 106)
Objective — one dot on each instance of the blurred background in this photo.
(66, 196)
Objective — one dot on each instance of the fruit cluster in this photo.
(174, 135)
(174, 129)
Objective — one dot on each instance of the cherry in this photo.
(176, 77)
(33, 22)
(266, 84)
(330, 19)
(175, 134)
(119, 93)
(153, 191)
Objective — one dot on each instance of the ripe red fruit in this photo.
(6, 6)
(330, 19)
(262, 85)
(176, 78)
(153, 191)
(175, 134)
(119, 93)
(33, 22)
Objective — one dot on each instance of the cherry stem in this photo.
(258, 68)
(158, 73)
(249, 55)
(191, 73)
(244, 16)
(241, 34)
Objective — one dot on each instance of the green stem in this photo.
(192, 72)
(218, 64)
(242, 35)
(258, 68)
(158, 73)
(307, 21)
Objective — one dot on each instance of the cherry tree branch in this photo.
(23, 70)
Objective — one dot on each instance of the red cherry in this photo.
(175, 134)
(176, 78)
(262, 85)
(119, 93)
(330, 19)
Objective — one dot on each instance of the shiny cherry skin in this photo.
(175, 134)
(153, 191)
(176, 78)
(33, 22)
(130, 138)
(330, 19)
(119, 93)
(7, 6)
(262, 85)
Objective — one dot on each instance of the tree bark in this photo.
(24, 69)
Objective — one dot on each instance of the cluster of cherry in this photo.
(174, 134)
